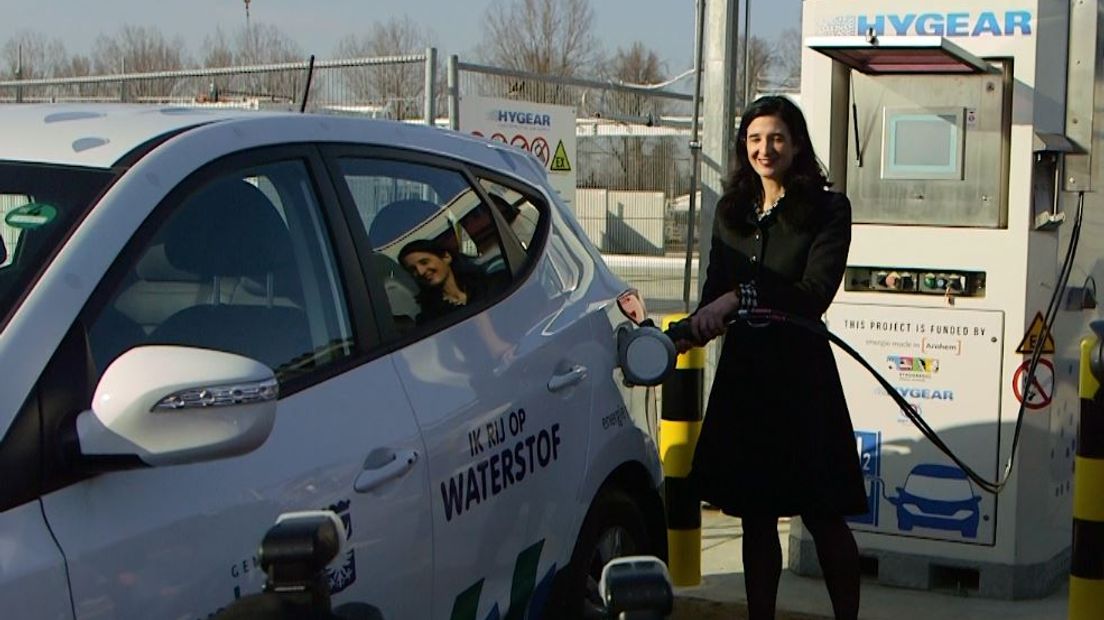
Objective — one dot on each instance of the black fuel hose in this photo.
(680, 330)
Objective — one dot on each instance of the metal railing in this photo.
(389, 87)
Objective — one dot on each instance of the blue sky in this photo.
(666, 26)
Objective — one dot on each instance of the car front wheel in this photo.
(614, 527)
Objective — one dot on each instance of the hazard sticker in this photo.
(1032, 337)
(560, 162)
(1040, 392)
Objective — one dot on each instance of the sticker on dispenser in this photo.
(1039, 393)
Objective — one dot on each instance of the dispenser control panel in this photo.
(917, 281)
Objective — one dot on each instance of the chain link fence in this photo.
(390, 87)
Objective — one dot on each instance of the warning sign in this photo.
(531, 127)
(1032, 337)
(560, 163)
(1040, 392)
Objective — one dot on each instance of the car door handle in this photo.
(565, 380)
(374, 476)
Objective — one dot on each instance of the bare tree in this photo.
(30, 55)
(637, 65)
(218, 50)
(761, 61)
(137, 49)
(787, 54)
(76, 65)
(398, 87)
(550, 37)
(642, 162)
(254, 44)
(263, 43)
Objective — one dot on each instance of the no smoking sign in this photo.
(1040, 392)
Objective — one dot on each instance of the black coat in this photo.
(777, 437)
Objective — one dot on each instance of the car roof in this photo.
(100, 135)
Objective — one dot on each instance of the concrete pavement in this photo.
(721, 593)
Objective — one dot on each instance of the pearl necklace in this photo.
(454, 301)
(762, 213)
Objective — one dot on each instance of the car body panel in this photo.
(474, 419)
(33, 574)
(134, 539)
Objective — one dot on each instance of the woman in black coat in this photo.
(777, 438)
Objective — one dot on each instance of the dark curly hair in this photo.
(463, 269)
(804, 181)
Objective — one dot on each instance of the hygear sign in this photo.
(962, 23)
(545, 131)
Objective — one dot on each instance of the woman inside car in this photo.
(446, 279)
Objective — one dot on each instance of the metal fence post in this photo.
(431, 86)
(679, 426)
(19, 76)
(454, 92)
(1086, 592)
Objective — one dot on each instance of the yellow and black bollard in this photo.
(680, 423)
(1086, 593)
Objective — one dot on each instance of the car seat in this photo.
(231, 230)
(399, 218)
(401, 291)
(391, 224)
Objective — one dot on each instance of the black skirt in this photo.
(777, 438)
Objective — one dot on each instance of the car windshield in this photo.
(39, 205)
(941, 489)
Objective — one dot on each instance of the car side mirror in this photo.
(636, 588)
(167, 405)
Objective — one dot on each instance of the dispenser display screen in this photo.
(922, 144)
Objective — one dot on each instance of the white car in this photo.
(204, 323)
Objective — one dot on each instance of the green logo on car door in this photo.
(525, 593)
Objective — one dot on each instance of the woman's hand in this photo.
(710, 321)
(682, 345)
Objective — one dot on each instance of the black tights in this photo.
(836, 550)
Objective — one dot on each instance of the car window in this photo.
(435, 244)
(39, 206)
(241, 264)
(938, 488)
(9, 234)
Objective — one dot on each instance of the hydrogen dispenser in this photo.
(965, 136)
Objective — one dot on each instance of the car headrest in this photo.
(154, 265)
(229, 228)
(398, 218)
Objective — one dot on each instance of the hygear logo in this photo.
(521, 117)
(954, 24)
(527, 596)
